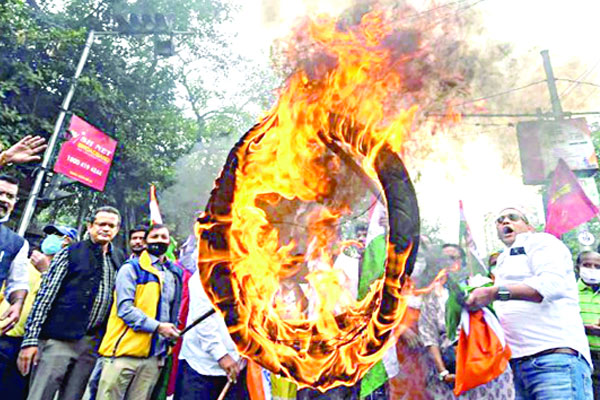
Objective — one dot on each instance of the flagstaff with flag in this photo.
(156, 218)
(372, 267)
(465, 240)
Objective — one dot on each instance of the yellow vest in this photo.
(119, 339)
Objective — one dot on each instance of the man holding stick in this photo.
(142, 321)
(208, 358)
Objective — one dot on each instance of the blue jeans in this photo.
(92, 387)
(552, 377)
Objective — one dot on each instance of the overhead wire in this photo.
(423, 13)
(578, 80)
(487, 97)
(458, 11)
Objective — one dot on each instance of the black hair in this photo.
(154, 227)
(361, 228)
(583, 253)
(138, 228)
(10, 179)
(106, 209)
(463, 255)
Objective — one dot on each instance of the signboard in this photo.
(87, 156)
(543, 143)
(591, 190)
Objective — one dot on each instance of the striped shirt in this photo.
(51, 284)
(101, 306)
(589, 302)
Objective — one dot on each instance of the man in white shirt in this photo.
(537, 304)
(208, 356)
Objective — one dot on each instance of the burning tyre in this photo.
(272, 218)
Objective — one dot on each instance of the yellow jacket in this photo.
(120, 339)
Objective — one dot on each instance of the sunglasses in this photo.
(511, 217)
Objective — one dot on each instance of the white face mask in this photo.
(591, 276)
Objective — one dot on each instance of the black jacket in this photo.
(69, 315)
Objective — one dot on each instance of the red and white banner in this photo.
(87, 156)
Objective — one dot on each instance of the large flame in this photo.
(273, 219)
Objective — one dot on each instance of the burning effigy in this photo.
(336, 134)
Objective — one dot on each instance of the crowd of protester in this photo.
(81, 319)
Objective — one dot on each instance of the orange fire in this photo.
(272, 222)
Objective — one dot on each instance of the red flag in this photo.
(568, 206)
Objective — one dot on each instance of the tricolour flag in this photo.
(265, 385)
(465, 240)
(155, 217)
(372, 268)
(568, 206)
(482, 353)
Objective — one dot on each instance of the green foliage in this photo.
(127, 91)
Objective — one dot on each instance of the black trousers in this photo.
(190, 385)
(13, 385)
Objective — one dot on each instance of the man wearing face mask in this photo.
(142, 321)
(12, 383)
(588, 266)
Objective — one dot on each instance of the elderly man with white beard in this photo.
(537, 303)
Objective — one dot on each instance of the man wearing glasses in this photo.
(536, 299)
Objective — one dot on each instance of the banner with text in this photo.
(87, 156)
(543, 143)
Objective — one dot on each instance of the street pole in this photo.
(64, 108)
(559, 115)
(37, 185)
(554, 99)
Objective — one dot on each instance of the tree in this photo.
(125, 89)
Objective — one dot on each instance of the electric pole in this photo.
(554, 99)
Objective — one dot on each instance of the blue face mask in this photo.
(52, 244)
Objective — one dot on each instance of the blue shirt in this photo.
(133, 316)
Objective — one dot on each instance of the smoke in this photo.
(476, 160)
(195, 176)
